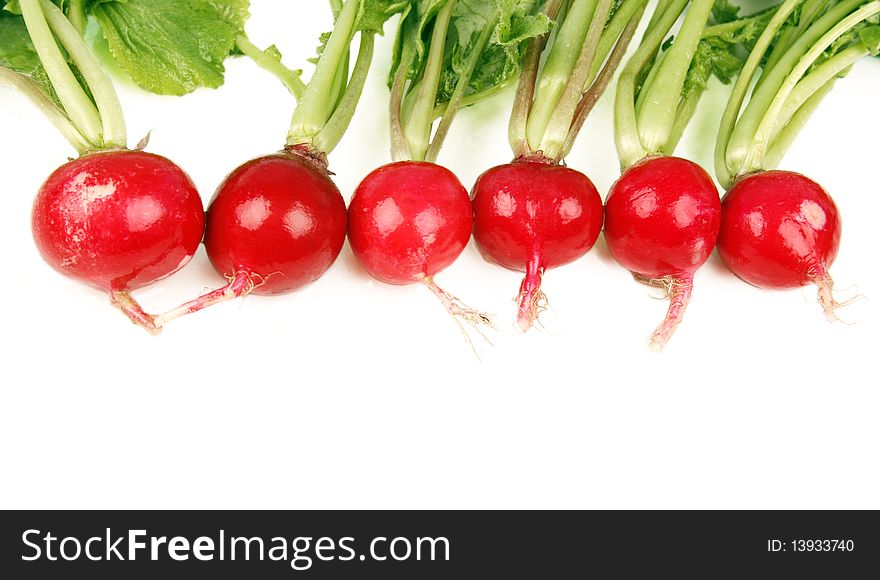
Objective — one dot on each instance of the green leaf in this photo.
(724, 11)
(870, 37)
(171, 47)
(372, 18)
(723, 54)
(17, 53)
(414, 31)
(514, 22)
(375, 13)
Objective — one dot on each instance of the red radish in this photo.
(114, 218)
(535, 213)
(118, 220)
(532, 215)
(409, 220)
(275, 224)
(661, 223)
(278, 222)
(412, 218)
(780, 229)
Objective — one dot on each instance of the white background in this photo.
(351, 393)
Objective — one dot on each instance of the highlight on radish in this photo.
(410, 219)
(534, 213)
(663, 214)
(278, 222)
(113, 218)
(780, 229)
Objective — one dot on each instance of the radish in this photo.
(412, 218)
(784, 243)
(113, 218)
(780, 229)
(278, 222)
(663, 214)
(534, 214)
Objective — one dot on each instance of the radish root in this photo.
(678, 291)
(531, 299)
(241, 283)
(124, 301)
(462, 312)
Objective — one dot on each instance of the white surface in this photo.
(352, 393)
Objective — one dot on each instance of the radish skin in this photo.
(661, 222)
(781, 230)
(117, 221)
(532, 215)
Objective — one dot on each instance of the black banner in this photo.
(438, 544)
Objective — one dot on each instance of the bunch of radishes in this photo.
(119, 219)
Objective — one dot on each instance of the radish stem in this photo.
(525, 92)
(329, 137)
(558, 68)
(724, 170)
(315, 107)
(417, 129)
(455, 101)
(288, 78)
(786, 136)
(56, 116)
(761, 140)
(657, 117)
(109, 109)
(559, 124)
(77, 104)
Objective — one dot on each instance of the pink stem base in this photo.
(531, 299)
(678, 290)
(241, 284)
(124, 301)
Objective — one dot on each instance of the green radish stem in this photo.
(457, 97)
(79, 107)
(76, 13)
(809, 10)
(108, 106)
(56, 116)
(786, 136)
(729, 118)
(315, 108)
(740, 150)
(558, 125)
(601, 82)
(400, 149)
(417, 129)
(329, 137)
(522, 105)
(817, 80)
(288, 78)
(657, 116)
(761, 140)
(558, 68)
(628, 12)
(626, 124)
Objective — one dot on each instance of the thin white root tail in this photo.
(462, 312)
(825, 294)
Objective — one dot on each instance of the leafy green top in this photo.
(453, 53)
